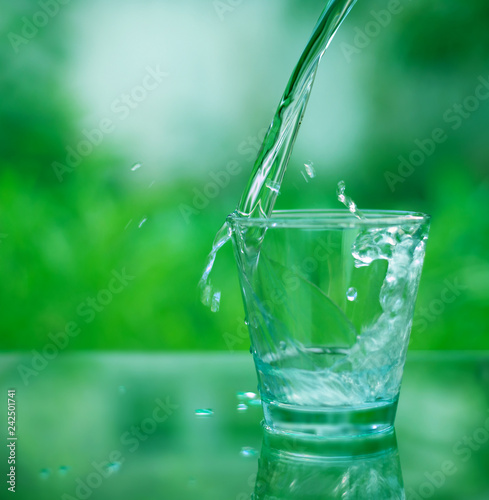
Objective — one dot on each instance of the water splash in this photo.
(208, 295)
(347, 201)
(216, 302)
(370, 368)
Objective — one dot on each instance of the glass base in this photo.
(330, 421)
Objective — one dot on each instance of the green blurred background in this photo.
(387, 81)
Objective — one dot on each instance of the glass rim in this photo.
(325, 218)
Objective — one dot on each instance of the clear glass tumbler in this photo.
(329, 302)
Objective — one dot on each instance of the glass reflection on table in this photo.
(293, 467)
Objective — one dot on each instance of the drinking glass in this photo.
(329, 302)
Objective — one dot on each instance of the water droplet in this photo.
(142, 222)
(340, 191)
(136, 166)
(273, 186)
(63, 470)
(127, 225)
(45, 473)
(351, 294)
(283, 345)
(204, 412)
(113, 467)
(248, 452)
(216, 302)
(310, 171)
(245, 395)
(122, 389)
(242, 407)
(347, 201)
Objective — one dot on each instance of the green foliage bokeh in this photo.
(61, 241)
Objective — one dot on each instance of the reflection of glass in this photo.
(329, 299)
(306, 468)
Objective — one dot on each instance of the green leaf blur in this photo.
(383, 91)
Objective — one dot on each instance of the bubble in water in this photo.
(216, 302)
(242, 407)
(255, 402)
(113, 467)
(151, 184)
(142, 222)
(63, 470)
(127, 225)
(45, 473)
(273, 186)
(122, 389)
(136, 166)
(248, 452)
(352, 294)
(283, 345)
(204, 412)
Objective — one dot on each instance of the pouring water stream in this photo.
(260, 194)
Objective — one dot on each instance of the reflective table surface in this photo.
(187, 426)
